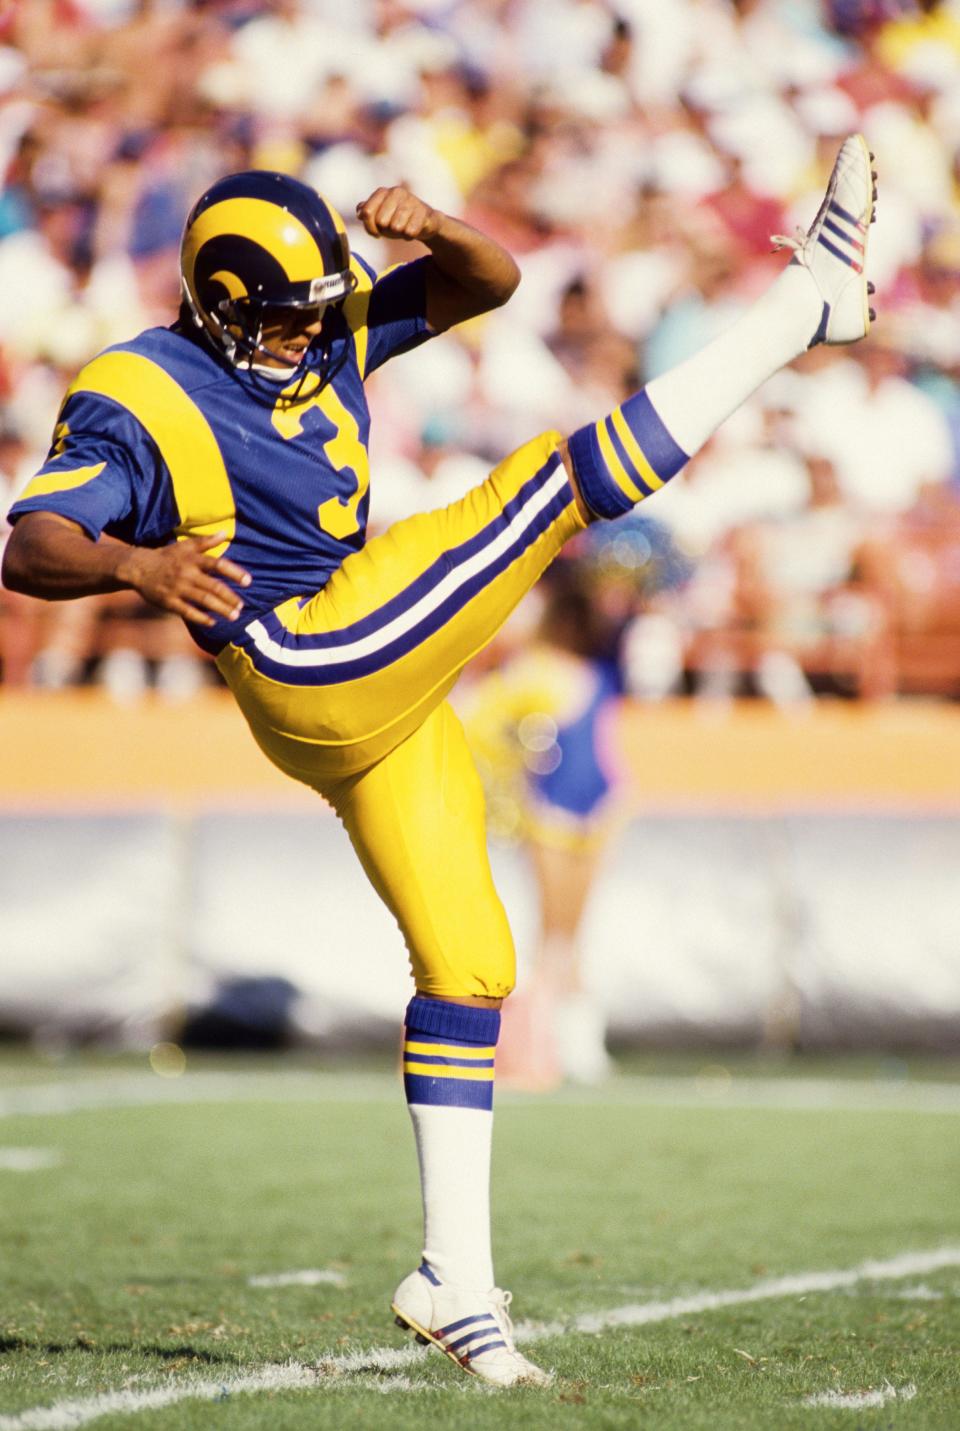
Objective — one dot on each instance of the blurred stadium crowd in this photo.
(635, 156)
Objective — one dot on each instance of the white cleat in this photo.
(472, 1328)
(834, 248)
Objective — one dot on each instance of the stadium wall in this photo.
(786, 880)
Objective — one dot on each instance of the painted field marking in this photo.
(291, 1376)
(29, 1160)
(908, 1264)
(860, 1400)
(358, 1369)
(141, 1090)
(309, 1277)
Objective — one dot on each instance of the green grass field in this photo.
(127, 1259)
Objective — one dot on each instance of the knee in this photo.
(491, 977)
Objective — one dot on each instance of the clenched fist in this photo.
(396, 213)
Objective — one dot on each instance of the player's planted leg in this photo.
(416, 819)
(450, 1301)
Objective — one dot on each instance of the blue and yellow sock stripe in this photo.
(448, 1060)
(625, 457)
(449, 1052)
(455, 1074)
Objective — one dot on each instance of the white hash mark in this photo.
(310, 1277)
(358, 1369)
(28, 1160)
(860, 1400)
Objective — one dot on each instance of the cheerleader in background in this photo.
(543, 724)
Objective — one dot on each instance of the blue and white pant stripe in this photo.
(425, 605)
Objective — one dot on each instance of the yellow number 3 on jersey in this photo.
(338, 515)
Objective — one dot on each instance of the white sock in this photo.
(454, 1147)
(693, 399)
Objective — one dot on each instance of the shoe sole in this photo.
(828, 199)
(866, 233)
(426, 1338)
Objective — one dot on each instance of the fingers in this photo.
(214, 596)
(202, 600)
(213, 539)
(394, 213)
(199, 603)
(189, 613)
(230, 570)
(181, 578)
(367, 212)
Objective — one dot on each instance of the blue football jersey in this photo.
(160, 438)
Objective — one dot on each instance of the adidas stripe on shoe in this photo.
(834, 248)
(472, 1328)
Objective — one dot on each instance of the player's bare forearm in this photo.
(50, 557)
(54, 559)
(469, 273)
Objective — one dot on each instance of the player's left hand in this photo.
(396, 213)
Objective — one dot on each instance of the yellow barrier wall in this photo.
(80, 749)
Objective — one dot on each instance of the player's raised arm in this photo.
(53, 558)
(468, 273)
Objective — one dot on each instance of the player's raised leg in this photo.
(331, 683)
(820, 297)
(416, 819)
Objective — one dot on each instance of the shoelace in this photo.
(501, 1302)
(785, 241)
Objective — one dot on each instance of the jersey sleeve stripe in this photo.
(355, 309)
(46, 483)
(183, 437)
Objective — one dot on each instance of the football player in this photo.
(219, 468)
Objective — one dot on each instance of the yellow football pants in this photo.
(346, 690)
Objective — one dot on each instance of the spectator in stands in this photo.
(532, 118)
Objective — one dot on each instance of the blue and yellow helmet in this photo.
(256, 240)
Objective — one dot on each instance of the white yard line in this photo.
(292, 1376)
(309, 1277)
(909, 1264)
(139, 1090)
(359, 1369)
(29, 1160)
(859, 1400)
